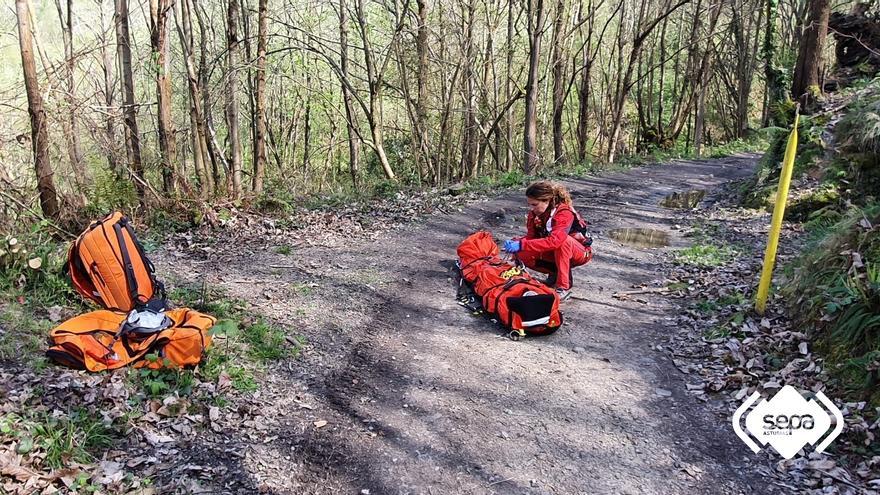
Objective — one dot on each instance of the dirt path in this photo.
(421, 397)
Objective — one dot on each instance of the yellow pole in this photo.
(776, 223)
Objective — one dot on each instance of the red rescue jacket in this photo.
(547, 231)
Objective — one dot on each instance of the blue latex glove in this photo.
(512, 246)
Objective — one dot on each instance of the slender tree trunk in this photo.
(260, 134)
(159, 11)
(508, 92)
(558, 68)
(422, 75)
(469, 122)
(109, 89)
(307, 129)
(700, 116)
(375, 83)
(805, 85)
(584, 88)
(132, 137)
(353, 139)
(772, 74)
(530, 134)
(39, 133)
(197, 118)
(232, 56)
(249, 92)
(207, 113)
(71, 135)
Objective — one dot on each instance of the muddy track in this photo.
(421, 397)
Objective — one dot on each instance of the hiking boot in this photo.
(563, 294)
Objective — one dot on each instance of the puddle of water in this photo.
(684, 200)
(640, 237)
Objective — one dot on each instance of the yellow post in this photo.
(776, 223)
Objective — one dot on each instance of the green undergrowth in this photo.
(705, 255)
(760, 190)
(835, 294)
(243, 344)
(32, 286)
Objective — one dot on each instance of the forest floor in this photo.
(399, 390)
(343, 363)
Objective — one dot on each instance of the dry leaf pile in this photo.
(726, 352)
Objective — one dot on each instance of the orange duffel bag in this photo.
(491, 284)
(107, 264)
(104, 340)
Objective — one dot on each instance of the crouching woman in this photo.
(556, 236)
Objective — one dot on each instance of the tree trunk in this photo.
(132, 137)
(353, 142)
(260, 134)
(422, 135)
(39, 132)
(232, 56)
(535, 15)
(805, 84)
(74, 154)
(207, 113)
(375, 83)
(197, 118)
(508, 92)
(109, 89)
(584, 88)
(558, 68)
(469, 122)
(307, 127)
(775, 91)
(159, 10)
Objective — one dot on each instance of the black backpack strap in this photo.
(130, 278)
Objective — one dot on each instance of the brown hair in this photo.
(547, 191)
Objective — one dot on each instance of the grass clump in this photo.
(705, 255)
(76, 436)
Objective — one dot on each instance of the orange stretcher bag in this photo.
(491, 284)
(107, 265)
(105, 340)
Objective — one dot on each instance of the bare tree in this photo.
(197, 117)
(375, 82)
(350, 124)
(74, 153)
(159, 11)
(260, 103)
(231, 95)
(39, 134)
(132, 138)
(557, 64)
(535, 13)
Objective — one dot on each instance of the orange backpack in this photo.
(518, 301)
(101, 340)
(107, 264)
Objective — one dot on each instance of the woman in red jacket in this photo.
(556, 238)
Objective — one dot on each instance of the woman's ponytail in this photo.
(561, 195)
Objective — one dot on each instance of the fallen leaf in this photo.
(223, 382)
(157, 438)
